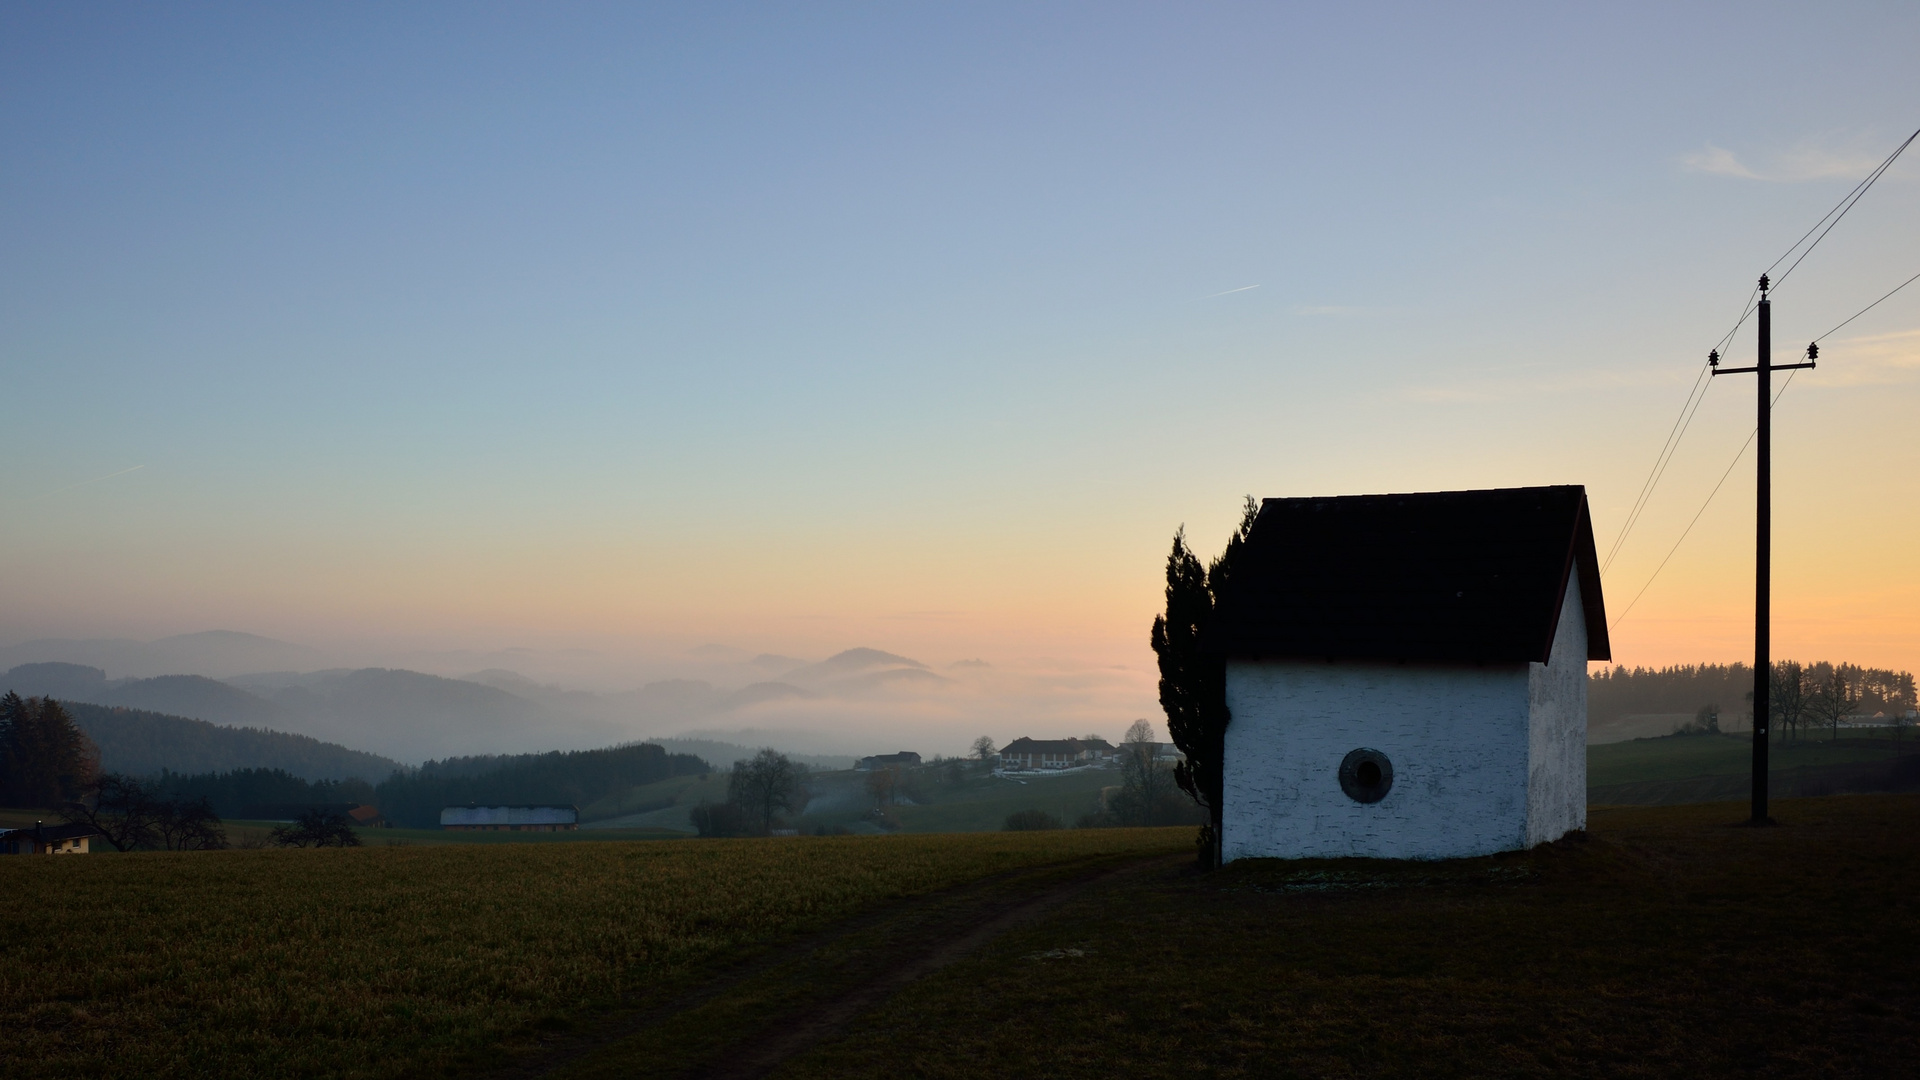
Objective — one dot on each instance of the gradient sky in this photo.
(798, 327)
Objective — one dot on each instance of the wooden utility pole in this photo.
(1764, 367)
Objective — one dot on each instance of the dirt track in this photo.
(749, 1020)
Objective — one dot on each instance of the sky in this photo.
(619, 330)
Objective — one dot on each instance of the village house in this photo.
(905, 759)
(48, 840)
(1407, 674)
(510, 818)
(1024, 753)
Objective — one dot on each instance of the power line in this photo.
(1736, 458)
(1660, 462)
(1679, 430)
(1853, 198)
(1703, 508)
(1868, 308)
(1857, 190)
(1672, 445)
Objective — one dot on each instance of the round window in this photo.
(1366, 775)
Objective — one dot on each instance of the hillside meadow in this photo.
(406, 960)
(1668, 942)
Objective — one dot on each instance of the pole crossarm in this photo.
(1771, 367)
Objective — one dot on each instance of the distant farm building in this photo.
(1407, 674)
(48, 840)
(905, 759)
(1026, 753)
(510, 818)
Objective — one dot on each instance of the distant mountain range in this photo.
(411, 716)
(404, 714)
(215, 653)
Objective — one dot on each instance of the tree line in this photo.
(46, 761)
(414, 799)
(1801, 694)
(263, 793)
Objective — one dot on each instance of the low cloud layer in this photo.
(856, 702)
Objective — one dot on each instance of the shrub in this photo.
(719, 819)
(316, 828)
(1030, 821)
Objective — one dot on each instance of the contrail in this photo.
(84, 483)
(1242, 288)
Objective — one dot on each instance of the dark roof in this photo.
(53, 833)
(1024, 745)
(1449, 576)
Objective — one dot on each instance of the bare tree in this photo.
(1787, 694)
(1145, 780)
(120, 809)
(766, 784)
(1833, 698)
(983, 749)
(188, 825)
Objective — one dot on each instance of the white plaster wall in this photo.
(1458, 737)
(1557, 738)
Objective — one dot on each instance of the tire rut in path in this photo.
(941, 928)
(790, 1035)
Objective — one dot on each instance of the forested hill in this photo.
(143, 743)
(414, 799)
(1622, 691)
(262, 793)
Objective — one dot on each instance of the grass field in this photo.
(406, 960)
(978, 804)
(1671, 943)
(1677, 757)
(1648, 771)
(1711, 768)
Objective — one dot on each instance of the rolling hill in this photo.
(143, 743)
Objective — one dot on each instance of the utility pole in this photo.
(1764, 367)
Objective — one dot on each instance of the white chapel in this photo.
(1407, 674)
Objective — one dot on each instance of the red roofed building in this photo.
(1026, 753)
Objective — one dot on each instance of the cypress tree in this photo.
(1193, 683)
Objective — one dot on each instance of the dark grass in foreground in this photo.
(1671, 943)
(400, 961)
